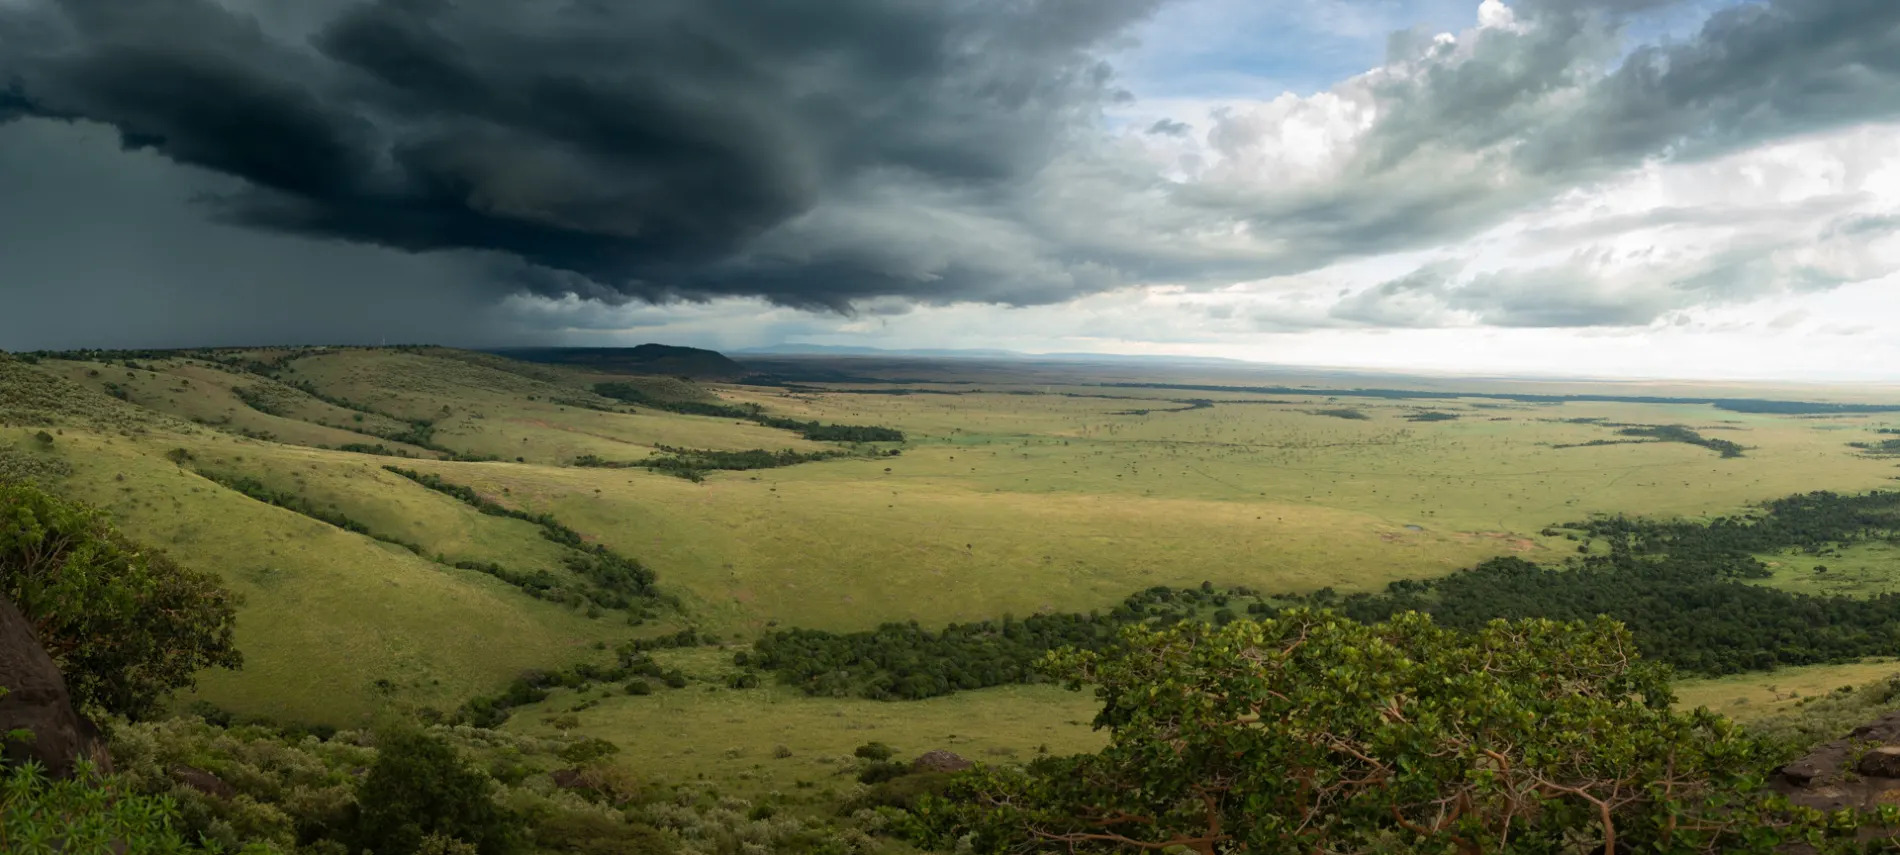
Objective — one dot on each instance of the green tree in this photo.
(1312, 732)
(126, 625)
(420, 789)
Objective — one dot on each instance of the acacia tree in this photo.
(125, 625)
(1312, 733)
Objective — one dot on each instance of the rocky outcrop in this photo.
(1860, 771)
(204, 782)
(36, 700)
(940, 761)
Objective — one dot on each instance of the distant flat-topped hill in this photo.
(693, 362)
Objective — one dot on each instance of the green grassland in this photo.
(326, 614)
(1026, 490)
(1857, 570)
(1750, 696)
(733, 735)
(482, 410)
(208, 394)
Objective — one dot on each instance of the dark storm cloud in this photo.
(646, 146)
(102, 258)
(832, 153)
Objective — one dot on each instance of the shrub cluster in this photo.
(617, 575)
(812, 430)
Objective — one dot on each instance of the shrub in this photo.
(125, 625)
(588, 750)
(1312, 732)
(879, 771)
(83, 815)
(418, 787)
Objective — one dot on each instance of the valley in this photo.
(421, 532)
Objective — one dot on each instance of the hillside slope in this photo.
(691, 362)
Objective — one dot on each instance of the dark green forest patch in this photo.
(1684, 587)
(812, 430)
(693, 464)
(1656, 433)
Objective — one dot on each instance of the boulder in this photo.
(569, 779)
(36, 699)
(203, 781)
(940, 761)
(1882, 762)
(1846, 773)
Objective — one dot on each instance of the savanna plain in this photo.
(756, 581)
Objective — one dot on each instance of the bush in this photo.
(879, 771)
(83, 815)
(418, 787)
(1546, 736)
(588, 750)
(125, 624)
(874, 751)
(903, 792)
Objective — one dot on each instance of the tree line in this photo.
(625, 578)
(693, 464)
(812, 430)
(904, 661)
(1682, 586)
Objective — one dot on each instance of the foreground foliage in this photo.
(86, 815)
(444, 790)
(1311, 732)
(419, 788)
(126, 625)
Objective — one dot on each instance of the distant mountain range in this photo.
(697, 363)
(968, 353)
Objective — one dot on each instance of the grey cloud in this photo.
(829, 155)
(101, 258)
(1170, 127)
(1558, 297)
(1867, 224)
(1471, 133)
(1591, 289)
(1820, 207)
(1755, 72)
(645, 146)
(1416, 299)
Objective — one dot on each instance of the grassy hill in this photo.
(1054, 494)
(689, 362)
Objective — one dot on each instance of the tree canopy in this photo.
(126, 625)
(1312, 732)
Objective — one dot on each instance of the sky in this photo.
(1643, 188)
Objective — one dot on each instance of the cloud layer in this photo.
(1552, 164)
(805, 151)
